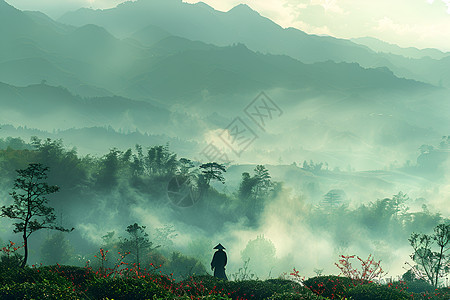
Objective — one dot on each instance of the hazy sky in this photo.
(419, 23)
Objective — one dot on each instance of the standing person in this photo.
(219, 262)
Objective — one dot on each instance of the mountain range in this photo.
(187, 70)
(153, 64)
(243, 25)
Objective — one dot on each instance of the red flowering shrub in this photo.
(331, 287)
(370, 269)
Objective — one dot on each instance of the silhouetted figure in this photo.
(219, 262)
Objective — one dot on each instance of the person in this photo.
(219, 262)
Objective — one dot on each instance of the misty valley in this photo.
(169, 150)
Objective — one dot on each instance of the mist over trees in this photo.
(134, 180)
(326, 151)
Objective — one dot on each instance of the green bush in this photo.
(419, 286)
(76, 275)
(126, 289)
(40, 290)
(330, 286)
(374, 291)
(31, 275)
(246, 289)
(182, 266)
(303, 295)
(441, 293)
(12, 261)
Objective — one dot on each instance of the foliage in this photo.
(67, 169)
(10, 258)
(246, 186)
(14, 143)
(332, 199)
(29, 206)
(213, 171)
(160, 161)
(126, 289)
(108, 173)
(78, 276)
(137, 243)
(248, 289)
(370, 269)
(164, 236)
(182, 266)
(67, 282)
(431, 265)
(314, 167)
(40, 290)
(257, 186)
(374, 291)
(80, 182)
(31, 275)
(305, 294)
(244, 273)
(330, 286)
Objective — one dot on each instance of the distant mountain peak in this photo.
(4, 4)
(148, 2)
(204, 5)
(243, 8)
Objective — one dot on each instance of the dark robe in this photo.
(218, 264)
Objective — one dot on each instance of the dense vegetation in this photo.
(68, 282)
(135, 265)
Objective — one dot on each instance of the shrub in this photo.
(331, 286)
(370, 269)
(246, 289)
(12, 261)
(40, 290)
(126, 289)
(31, 275)
(9, 257)
(77, 275)
(374, 291)
(441, 293)
(419, 286)
(183, 266)
(304, 294)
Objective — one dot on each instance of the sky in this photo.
(416, 23)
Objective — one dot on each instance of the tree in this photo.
(246, 186)
(263, 183)
(184, 166)
(137, 165)
(67, 169)
(164, 236)
(257, 186)
(431, 265)
(108, 175)
(29, 206)
(262, 255)
(183, 266)
(213, 171)
(398, 202)
(160, 161)
(333, 199)
(56, 249)
(138, 242)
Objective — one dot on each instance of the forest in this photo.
(96, 204)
